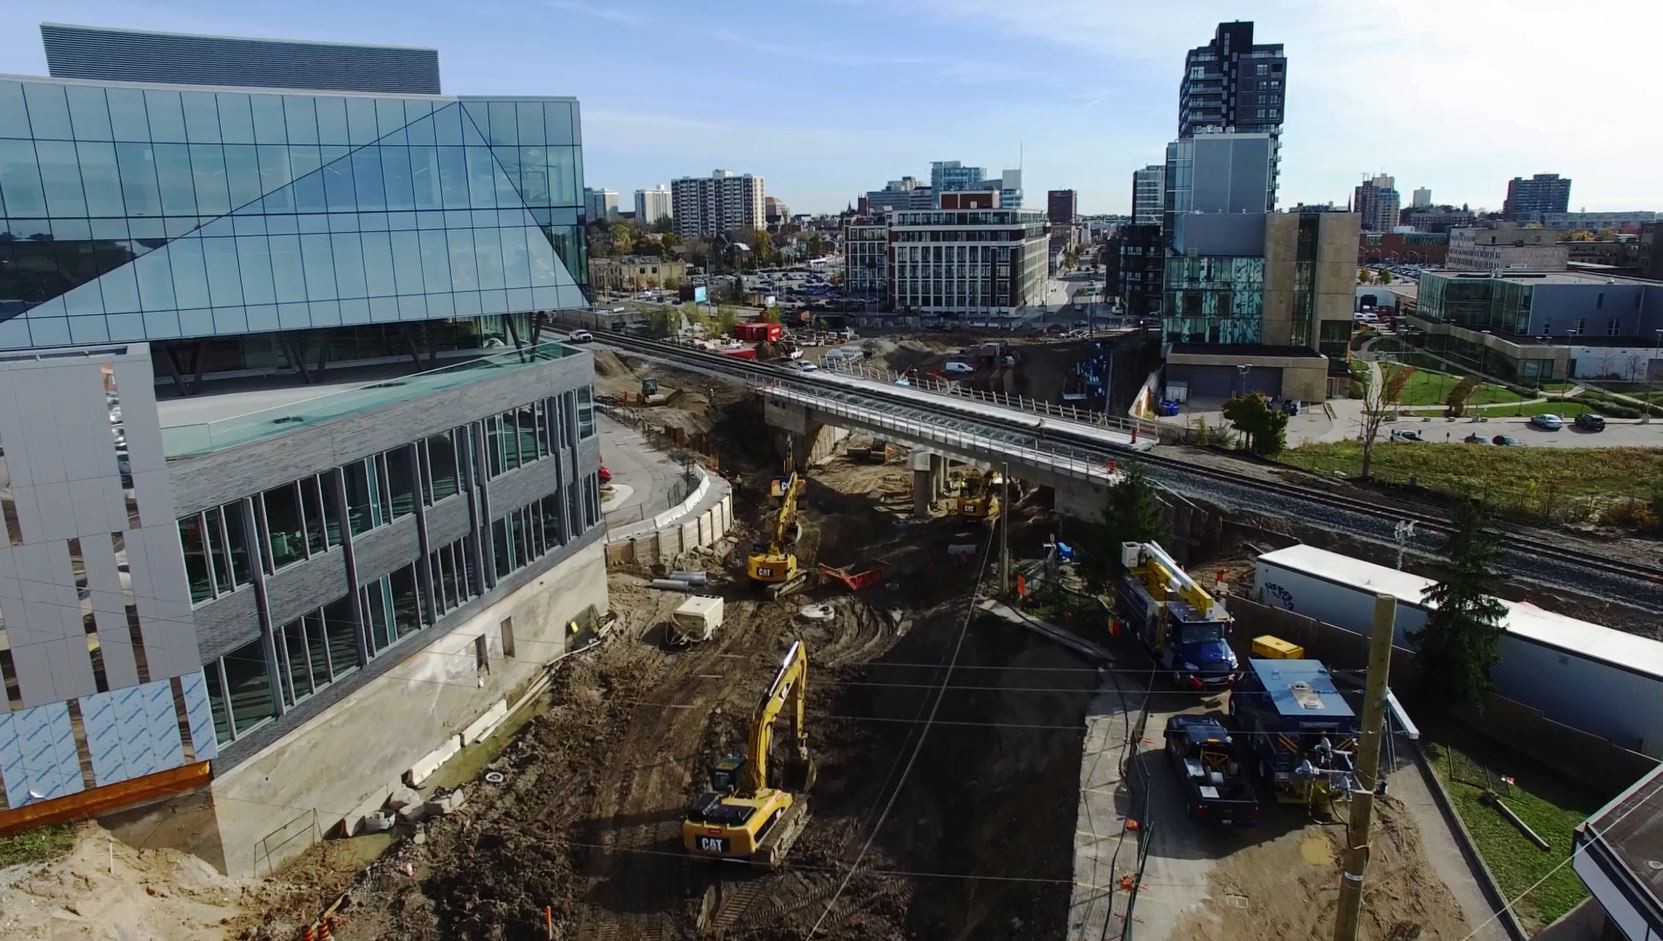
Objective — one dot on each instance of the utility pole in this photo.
(1004, 529)
(1356, 855)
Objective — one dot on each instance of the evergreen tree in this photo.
(1132, 513)
(1462, 637)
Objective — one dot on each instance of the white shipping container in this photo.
(1587, 676)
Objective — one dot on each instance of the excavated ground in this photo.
(969, 834)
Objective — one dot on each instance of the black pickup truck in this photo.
(1209, 769)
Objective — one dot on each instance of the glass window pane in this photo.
(516, 262)
(288, 273)
(13, 112)
(360, 119)
(248, 686)
(242, 174)
(254, 260)
(349, 265)
(549, 512)
(225, 285)
(358, 496)
(441, 462)
(395, 172)
(220, 555)
(435, 262)
(378, 264)
(407, 614)
(300, 666)
(453, 177)
(201, 117)
(464, 276)
(400, 482)
(377, 613)
(190, 278)
(504, 124)
(342, 633)
(301, 117)
(173, 173)
(499, 545)
(284, 525)
(482, 187)
(236, 124)
(331, 517)
(407, 262)
(424, 177)
(217, 701)
(208, 170)
(527, 421)
(304, 162)
(48, 111)
(337, 182)
(316, 254)
(508, 434)
(585, 413)
(269, 124)
(370, 188)
(331, 120)
(275, 177)
(488, 258)
(312, 506)
(238, 534)
(101, 178)
(317, 649)
(167, 119)
(60, 174)
(20, 179)
(454, 583)
(191, 540)
(88, 112)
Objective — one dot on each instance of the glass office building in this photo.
(182, 214)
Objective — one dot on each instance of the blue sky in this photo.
(831, 98)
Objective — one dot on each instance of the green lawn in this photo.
(1427, 387)
(1532, 480)
(1564, 409)
(39, 845)
(1551, 804)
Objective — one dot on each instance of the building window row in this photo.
(316, 649)
(524, 534)
(456, 577)
(215, 543)
(518, 437)
(442, 457)
(297, 521)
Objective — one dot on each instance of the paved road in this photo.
(653, 478)
(1315, 425)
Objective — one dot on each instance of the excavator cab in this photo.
(724, 774)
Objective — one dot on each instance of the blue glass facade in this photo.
(136, 212)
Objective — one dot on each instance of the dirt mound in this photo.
(1289, 887)
(105, 889)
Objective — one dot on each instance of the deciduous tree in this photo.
(1264, 427)
(1131, 513)
(1380, 401)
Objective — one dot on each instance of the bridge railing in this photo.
(1061, 460)
(1086, 416)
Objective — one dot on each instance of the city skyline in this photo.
(783, 98)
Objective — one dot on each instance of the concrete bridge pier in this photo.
(929, 472)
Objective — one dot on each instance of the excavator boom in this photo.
(790, 687)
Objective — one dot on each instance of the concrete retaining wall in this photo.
(347, 760)
(666, 542)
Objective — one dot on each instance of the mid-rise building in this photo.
(1148, 194)
(1505, 245)
(1062, 207)
(219, 594)
(905, 193)
(600, 205)
(1528, 199)
(775, 213)
(959, 263)
(1375, 201)
(1436, 218)
(708, 206)
(1235, 84)
(1422, 198)
(1628, 221)
(1651, 251)
(947, 175)
(1538, 326)
(653, 205)
(1397, 248)
(866, 260)
(1141, 261)
(1010, 189)
(132, 55)
(636, 273)
(1218, 173)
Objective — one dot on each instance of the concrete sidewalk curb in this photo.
(1469, 850)
(685, 507)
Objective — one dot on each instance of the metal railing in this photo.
(1093, 417)
(1059, 459)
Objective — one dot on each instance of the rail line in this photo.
(1643, 583)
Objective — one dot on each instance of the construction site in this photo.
(828, 725)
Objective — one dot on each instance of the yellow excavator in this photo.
(979, 497)
(772, 565)
(741, 816)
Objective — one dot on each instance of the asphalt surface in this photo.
(654, 480)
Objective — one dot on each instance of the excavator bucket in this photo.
(800, 773)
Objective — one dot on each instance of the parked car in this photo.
(956, 368)
(1506, 441)
(580, 336)
(1589, 422)
(1410, 436)
(1547, 421)
(1476, 438)
(1168, 408)
(1292, 408)
(804, 366)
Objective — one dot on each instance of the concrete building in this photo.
(1269, 312)
(1010, 189)
(1629, 221)
(600, 205)
(1235, 84)
(269, 602)
(1437, 218)
(635, 273)
(1141, 266)
(130, 55)
(1148, 194)
(1422, 198)
(708, 206)
(1615, 854)
(1542, 325)
(1651, 251)
(905, 193)
(962, 263)
(1375, 201)
(653, 205)
(1062, 207)
(866, 260)
(1528, 200)
(1395, 248)
(1504, 246)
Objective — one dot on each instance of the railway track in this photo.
(1529, 557)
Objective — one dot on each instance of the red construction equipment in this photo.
(868, 574)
